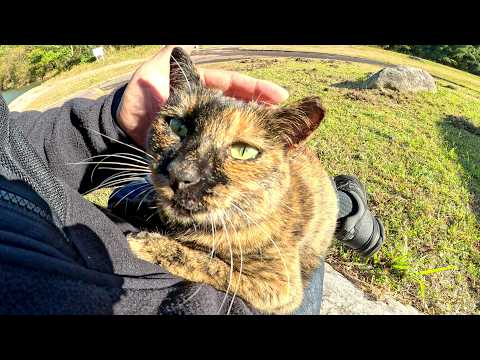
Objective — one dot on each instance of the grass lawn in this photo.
(375, 53)
(418, 156)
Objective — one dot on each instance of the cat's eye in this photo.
(178, 127)
(241, 151)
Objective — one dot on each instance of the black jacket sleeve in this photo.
(70, 134)
(59, 254)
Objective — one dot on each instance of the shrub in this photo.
(20, 65)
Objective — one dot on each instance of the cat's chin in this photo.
(187, 213)
(185, 217)
(182, 215)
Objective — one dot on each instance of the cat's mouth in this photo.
(180, 203)
(187, 204)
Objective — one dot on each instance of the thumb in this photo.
(156, 72)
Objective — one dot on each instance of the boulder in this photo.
(402, 78)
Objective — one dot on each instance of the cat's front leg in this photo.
(272, 293)
(190, 264)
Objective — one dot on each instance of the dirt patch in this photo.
(305, 60)
(257, 63)
(359, 95)
(376, 97)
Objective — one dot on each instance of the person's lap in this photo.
(312, 296)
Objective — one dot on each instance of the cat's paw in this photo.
(140, 248)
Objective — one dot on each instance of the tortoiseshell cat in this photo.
(247, 208)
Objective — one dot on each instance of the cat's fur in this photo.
(273, 216)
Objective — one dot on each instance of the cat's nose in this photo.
(183, 174)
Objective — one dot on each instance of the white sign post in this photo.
(98, 53)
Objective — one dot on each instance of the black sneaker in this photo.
(361, 230)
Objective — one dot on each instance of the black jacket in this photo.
(60, 254)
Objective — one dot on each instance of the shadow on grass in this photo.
(358, 84)
(462, 135)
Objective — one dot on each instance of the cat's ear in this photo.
(296, 122)
(183, 75)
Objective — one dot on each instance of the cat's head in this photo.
(220, 159)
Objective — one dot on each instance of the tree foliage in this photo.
(463, 57)
(24, 64)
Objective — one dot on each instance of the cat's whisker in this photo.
(193, 295)
(209, 260)
(148, 192)
(129, 167)
(133, 166)
(193, 222)
(258, 97)
(231, 266)
(130, 192)
(117, 175)
(97, 165)
(287, 273)
(241, 265)
(212, 221)
(127, 156)
(119, 142)
(148, 219)
(114, 181)
(117, 182)
(114, 168)
(132, 178)
(123, 175)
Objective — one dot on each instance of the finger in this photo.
(243, 87)
(155, 73)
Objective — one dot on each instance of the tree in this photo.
(464, 57)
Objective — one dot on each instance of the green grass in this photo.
(63, 89)
(422, 173)
(112, 57)
(85, 76)
(375, 53)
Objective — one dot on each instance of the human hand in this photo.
(149, 89)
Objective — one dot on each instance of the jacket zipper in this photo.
(18, 201)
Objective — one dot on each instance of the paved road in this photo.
(207, 56)
(217, 55)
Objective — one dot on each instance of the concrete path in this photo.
(342, 297)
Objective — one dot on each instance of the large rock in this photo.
(401, 78)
